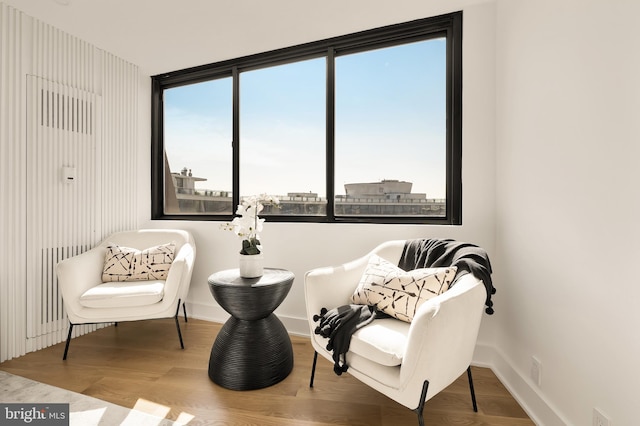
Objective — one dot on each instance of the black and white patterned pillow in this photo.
(129, 264)
(397, 292)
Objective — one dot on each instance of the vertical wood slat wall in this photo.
(12, 219)
(63, 103)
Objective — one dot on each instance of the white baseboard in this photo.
(541, 412)
(207, 312)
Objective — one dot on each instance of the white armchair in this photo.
(408, 362)
(88, 300)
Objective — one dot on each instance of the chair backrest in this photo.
(390, 250)
(145, 238)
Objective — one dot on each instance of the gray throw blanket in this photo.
(435, 253)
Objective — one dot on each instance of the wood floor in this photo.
(141, 364)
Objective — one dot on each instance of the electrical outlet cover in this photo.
(536, 370)
(599, 419)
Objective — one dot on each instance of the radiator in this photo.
(62, 195)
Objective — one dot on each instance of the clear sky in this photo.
(390, 123)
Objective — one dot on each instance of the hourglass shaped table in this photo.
(253, 349)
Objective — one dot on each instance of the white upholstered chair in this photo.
(89, 300)
(408, 362)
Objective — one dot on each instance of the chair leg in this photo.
(179, 333)
(420, 408)
(313, 368)
(66, 347)
(473, 392)
(178, 325)
(184, 309)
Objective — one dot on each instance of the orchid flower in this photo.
(247, 225)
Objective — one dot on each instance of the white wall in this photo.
(568, 100)
(300, 247)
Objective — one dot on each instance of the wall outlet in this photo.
(599, 419)
(536, 370)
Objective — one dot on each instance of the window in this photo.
(360, 128)
(197, 137)
(283, 137)
(390, 117)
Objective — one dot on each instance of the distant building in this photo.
(184, 182)
(388, 197)
(192, 200)
(388, 189)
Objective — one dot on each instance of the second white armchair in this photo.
(409, 362)
(108, 284)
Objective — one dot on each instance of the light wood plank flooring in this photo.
(141, 364)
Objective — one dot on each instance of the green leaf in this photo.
(250, 246)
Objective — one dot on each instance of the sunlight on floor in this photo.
(184, 418)
(152, 408)
(159, 410)
(87, 417)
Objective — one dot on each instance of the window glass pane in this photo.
(198, 152)
(282, 135)
(390, 137)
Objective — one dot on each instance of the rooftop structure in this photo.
(388, 197)
(388, 189)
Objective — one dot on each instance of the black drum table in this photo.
(253, 349)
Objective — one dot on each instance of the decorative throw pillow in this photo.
(397, 292)
(129, 264)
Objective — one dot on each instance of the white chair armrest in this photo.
(178, 282)
(443, 333)
(80, 273)
(330, 287)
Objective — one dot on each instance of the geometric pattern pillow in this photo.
(129, 264)
(397, 292)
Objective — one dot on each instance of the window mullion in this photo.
(330, 166)
(235, 143)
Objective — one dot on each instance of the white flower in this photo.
(247, 225)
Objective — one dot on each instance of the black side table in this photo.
(253, 349)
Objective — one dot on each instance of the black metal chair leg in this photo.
(420, 408)
(179, 333)
(66, 347)
(178, 325)
(313, 368)
(473, 392)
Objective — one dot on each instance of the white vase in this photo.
(251, 265)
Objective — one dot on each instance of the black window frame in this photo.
(448, 26)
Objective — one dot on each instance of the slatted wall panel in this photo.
(119, 160)
(12, 187)
(70, 111)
